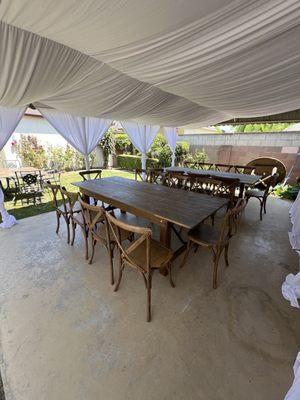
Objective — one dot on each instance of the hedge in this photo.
(129, 162)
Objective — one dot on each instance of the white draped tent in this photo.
(156, 62)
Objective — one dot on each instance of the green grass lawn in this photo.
(23, 211)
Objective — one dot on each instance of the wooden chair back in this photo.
(157, 175)
(144, 235)
(177, 179)
(55, 190)
(229, 224)
(92, 216)
(142, 174)
(90, 174)
(243, 169)
(70, 198)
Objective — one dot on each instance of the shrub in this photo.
(31, 152)
(123, 143)
(200, 156)
(130, 162)
(108, 145)
(287, 191)
(181, 151)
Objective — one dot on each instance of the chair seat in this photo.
(76, 209)
(204, 234)
(160, 254)
(254, 193)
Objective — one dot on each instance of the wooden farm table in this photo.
(245, 179)
(159, 204)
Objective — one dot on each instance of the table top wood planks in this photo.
(10, 172)
(245, 179)
(159, 204)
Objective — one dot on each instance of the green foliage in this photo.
(276, 127)
(181, 152)
(123, 143)
(108, 145)
(31, 152)
(200, 156)
(130, 162)
(161, 150)
(287, 191)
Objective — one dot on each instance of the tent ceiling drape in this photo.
(163, 63)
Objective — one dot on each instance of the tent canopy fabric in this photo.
(157, 62)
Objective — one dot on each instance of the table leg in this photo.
(242, 188)
(165, 239)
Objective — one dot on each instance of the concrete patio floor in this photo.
(66, 335)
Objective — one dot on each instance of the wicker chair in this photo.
(215, 239)
(144, 254)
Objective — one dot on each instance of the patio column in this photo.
(9, 119)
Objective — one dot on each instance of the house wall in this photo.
(232, 148)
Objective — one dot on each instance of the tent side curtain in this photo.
(9, 119)
(83, 133)
(171, 136)
(142, 137)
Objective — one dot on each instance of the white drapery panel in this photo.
(83, 133)
(294, 235)
(171, 136)
(9, 119)
(204, 63)
(141, 136)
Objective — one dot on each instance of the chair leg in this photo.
(216, 264)
(57, 222)
(68, 230)
(169, 268)
(149, 286)
(189, 245)
(93, 250)
(121, 268)
(261, 210)
(111, 255)
(85, 239)
(226, 254)
(265, 204)
(73, 233)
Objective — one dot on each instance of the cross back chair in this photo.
(75, 215)
(90, 174)
(177, 179)
(157, 175)
(144, 254)
(243, 169)
(216, 239)
(142, 174)
(61, 210)
(261, 192)
(97, 227)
